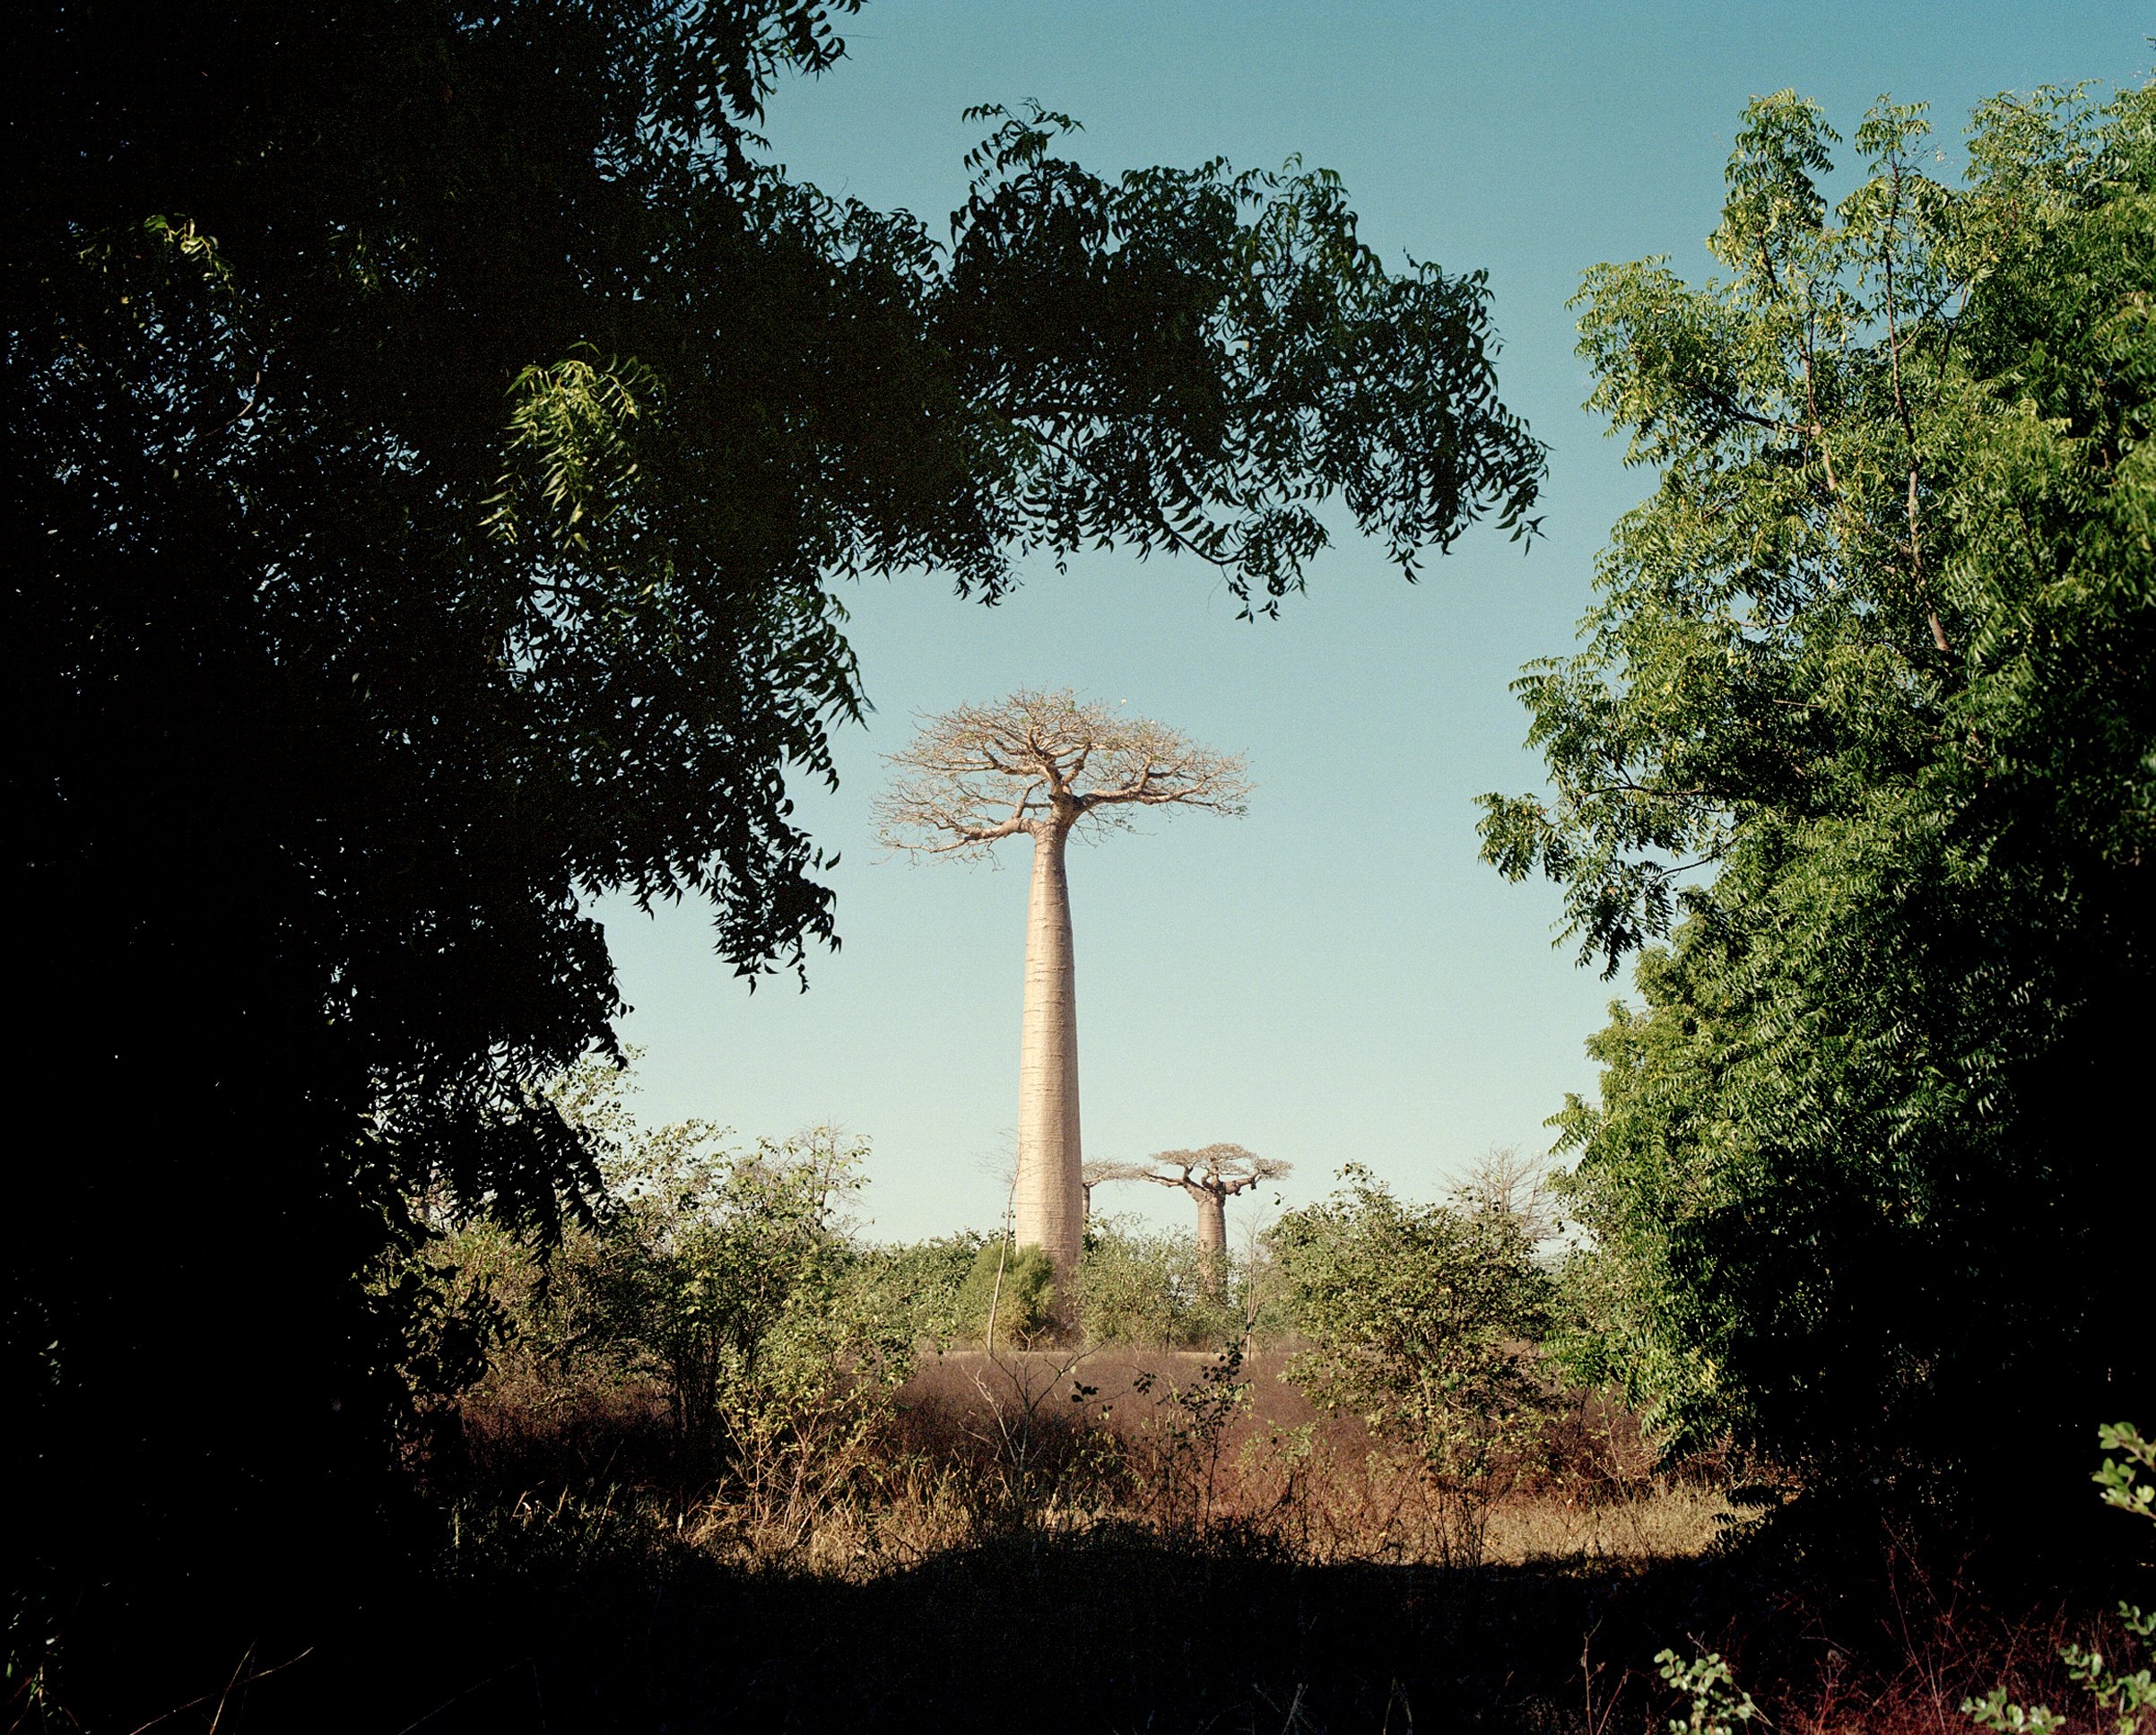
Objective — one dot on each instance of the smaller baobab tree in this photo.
(1212, 1176)
(1043, 765)
(1090, 1176)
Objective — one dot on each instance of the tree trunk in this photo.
(1049, 1203)
(1212, 1241)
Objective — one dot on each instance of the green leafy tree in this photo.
(737, 1276)
(1420, 1321)
(432, 436)
(1859, 759)
(1152, 1290)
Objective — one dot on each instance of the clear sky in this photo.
(1334, 977)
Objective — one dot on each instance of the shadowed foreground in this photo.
(1111, 1631)
(577, 1620)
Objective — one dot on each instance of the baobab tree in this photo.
(1212, 1176)
(1090, 1176)
(1041, 764)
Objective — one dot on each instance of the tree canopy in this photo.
(1859, 759)
(1222, 1169)
(433, 437)
(982, 773)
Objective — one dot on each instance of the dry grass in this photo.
(1666, 1521)
(1021, 1520)
(1151, 1441)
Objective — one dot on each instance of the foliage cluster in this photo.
(1133, 1287)
(729, 1283)
(2125, 1695)
(1153, 1290)
(433, 437)
(1423, 1321)
(1859, 758)
(1008, 1295)
(2120, 1698)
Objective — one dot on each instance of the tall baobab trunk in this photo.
(1038, 764)
(1050, 1204)
(1212, 1240)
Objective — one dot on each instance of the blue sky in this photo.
(1333, 977)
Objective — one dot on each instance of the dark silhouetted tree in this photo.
(434, 436)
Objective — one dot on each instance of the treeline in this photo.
(717, 1334)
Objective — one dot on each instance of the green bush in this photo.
(1017, 1286)
(1420, 1319)
(924, 1282)
(727, 1284)
(1146, 1291)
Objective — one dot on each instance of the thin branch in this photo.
(1042, 762)
(1908, 430)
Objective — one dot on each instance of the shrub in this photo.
(1419, 1318)
(1148, 1291)
(2126, 1699)
(2122, 1697)
(1009, 1297)
(735, 1276)
(717, 1297)
(924, 1282)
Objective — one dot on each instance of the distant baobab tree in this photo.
(1044, 764)
(1212, 1176)
(1089, 1175)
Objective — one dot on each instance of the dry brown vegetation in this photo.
(880, 1533)
(977, 1445)
(1100, 1543)
(1073, 1537)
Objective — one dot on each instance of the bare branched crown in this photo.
(1041, 760)
(1224, 1170)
